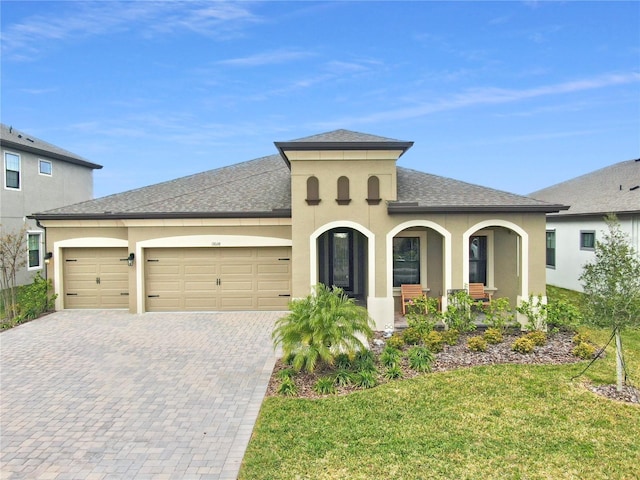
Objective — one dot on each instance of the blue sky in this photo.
(511, 95)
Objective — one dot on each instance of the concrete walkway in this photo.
(110, 395)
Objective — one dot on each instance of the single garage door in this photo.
(96, 278)
(202, 279)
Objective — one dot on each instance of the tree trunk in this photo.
(619, 364)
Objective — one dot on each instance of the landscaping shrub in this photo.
(325, 386)
(422, 314)
(321, 326)
(411, 336)
(393, 372)
(538, 337)
(581, 337)
(451, 336)
(396, 341)
(34, 299)
(477, 344)
(563, 316)
(365, 379)
(365, 360)
(288, 387)
(498, 314)
(493, 335)
(535, 311)
(420, 359)
(523, 345)
(584, 350)
(285, 373)
(342, 361)
(460, 315)
(343, 377)
(434, 341)
(390, 356)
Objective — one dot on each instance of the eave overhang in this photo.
(48, 154)
(333, 146)
(276, 213)
(412, 207)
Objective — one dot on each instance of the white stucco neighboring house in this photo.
(572, 233)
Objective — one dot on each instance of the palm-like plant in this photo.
(322, 326)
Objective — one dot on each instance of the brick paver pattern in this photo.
(111, 395)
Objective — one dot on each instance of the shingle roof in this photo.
(419, 191)
(342, 140)
(613, 189)
(12, 138)
(262, 188)
(258, 187)
(344, 136)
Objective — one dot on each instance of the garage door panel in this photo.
(237, 269)
(275, 269)
(217, 278)
(273, 303)
(95, 278)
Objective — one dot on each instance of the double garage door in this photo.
(181, 279)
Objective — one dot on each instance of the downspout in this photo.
(44, 229)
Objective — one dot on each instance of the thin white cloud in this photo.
(486, 96)
(23, 40)
(266, 58)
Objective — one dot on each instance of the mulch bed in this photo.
(556, 351)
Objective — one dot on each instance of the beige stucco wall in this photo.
(447, 235)
(510, 232)
(137, 235)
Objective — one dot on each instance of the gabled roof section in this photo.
(12, 138)
(420, 192)
(257, 188)
(342, 140)
(612, 189)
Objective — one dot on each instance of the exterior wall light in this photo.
(130, 259)
(47, 257)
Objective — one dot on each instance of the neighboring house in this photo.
(572, 234)
(331, 208)
(37, 176)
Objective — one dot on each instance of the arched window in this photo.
(313, 191)
(373, 191)
(343, 191)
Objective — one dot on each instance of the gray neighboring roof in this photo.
(612, 189)
(257, 188)
(342, 140)
(262, 188)
(12, 138)
(423, 192)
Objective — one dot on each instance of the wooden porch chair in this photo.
(476, 291)
(409, 292)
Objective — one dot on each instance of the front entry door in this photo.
(341, 259)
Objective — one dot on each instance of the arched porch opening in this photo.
(495, 253)
(419, 252)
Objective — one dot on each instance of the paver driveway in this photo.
(107, 394)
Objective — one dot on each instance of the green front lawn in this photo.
(505, 421)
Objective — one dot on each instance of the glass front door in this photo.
(341, 260)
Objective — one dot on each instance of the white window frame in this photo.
(40, 245)
(19, 171)
(40, 162)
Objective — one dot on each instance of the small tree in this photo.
(612, 286)
(12, 258)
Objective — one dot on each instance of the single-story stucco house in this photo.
(331, 208)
